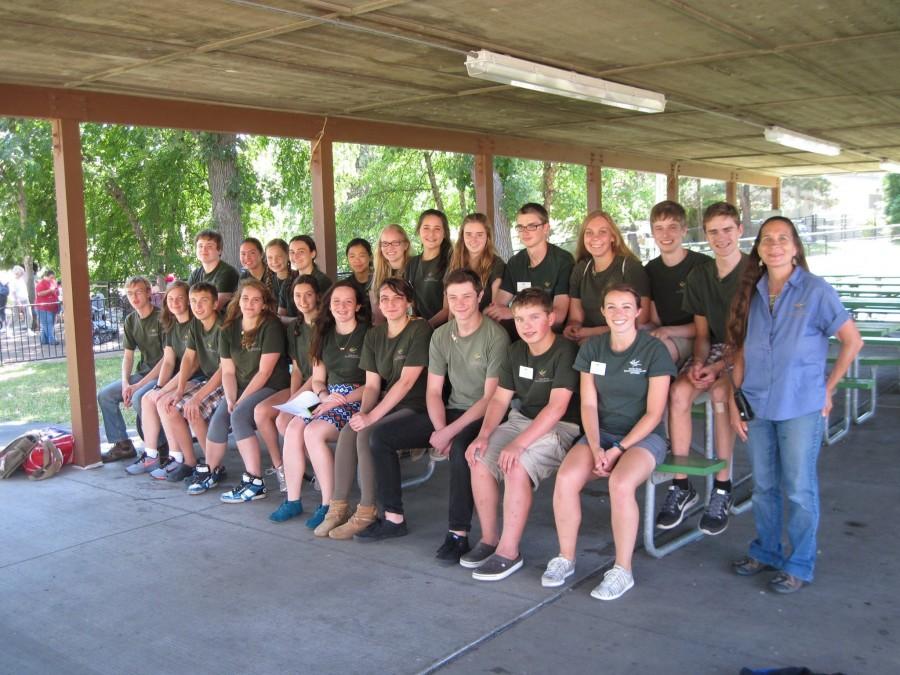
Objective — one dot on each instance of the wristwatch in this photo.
(618, 445)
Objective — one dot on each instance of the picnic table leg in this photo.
(873, 399)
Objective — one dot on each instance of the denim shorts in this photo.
(655, 444)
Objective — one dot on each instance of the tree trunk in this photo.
(432, 179)
(114, 190)
(549, 184)
(224, 190)
(502, 236)
(463, 211)
(27, 259)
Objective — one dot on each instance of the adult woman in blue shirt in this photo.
(781, 319)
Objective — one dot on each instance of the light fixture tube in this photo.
(504, 69)
(890, 167)
(792, 139)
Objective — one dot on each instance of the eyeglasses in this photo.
(391, 244)
(530, 227)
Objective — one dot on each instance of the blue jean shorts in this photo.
(655, 444)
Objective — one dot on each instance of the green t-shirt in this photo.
(224, 277)
(623, 378)
(588, 285)
(268, 278)
(341, 355)
(269, 339)
(551, 275)
(146, 336)
(426, 278)
(177, 339)
(299, 336)
(707, 295)
(389, 356)
(206, 345)
(667, 287)
(286, 300)
(533, 377)
(467, 361)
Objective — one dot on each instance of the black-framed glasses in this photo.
(391, 244)
(530, 227)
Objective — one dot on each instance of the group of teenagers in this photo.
(585, 368)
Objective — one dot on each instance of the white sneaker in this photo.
(558, 570)
(616, 582)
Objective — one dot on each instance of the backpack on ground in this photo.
(16, 452)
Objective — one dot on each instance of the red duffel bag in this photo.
(41, 462)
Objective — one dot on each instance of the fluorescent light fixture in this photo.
(536, 77)
(890, 167)
(792, 139)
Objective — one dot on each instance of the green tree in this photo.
(892, 198)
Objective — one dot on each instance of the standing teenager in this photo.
(474, 250)
(625, 375)
(425, 272)
(253, 263)
(212, 269)
(391, 258)
(302, 252)
(781, 321)
(359, 258)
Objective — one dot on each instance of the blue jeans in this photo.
(109, 399)
(783, 456)
(47, 321)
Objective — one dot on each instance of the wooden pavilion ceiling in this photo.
(828, 69)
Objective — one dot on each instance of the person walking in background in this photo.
(779, 327)
(46, 295)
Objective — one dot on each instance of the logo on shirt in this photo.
(634, 368)
(476, 356)
(546, 284)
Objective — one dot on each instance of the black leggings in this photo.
(407, 429)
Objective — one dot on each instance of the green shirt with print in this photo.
(299, 336)
(533, 377)
(146, 336)
(623, 378)
(667, 287)
(269, 339)
(388, 356)
(177, 339)
(467, 361)
(286, 300)
(705, 294)
(587, 285)
(224, 277)
(341, 355)
(551, 274)
(205, 343)
(426, 278)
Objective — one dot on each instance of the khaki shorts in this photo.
(685, 348)
(541, 459)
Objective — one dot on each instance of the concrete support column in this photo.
(73, 260)
(322, 173)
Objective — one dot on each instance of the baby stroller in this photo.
(101, 329)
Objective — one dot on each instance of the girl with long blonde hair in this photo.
(474, 250)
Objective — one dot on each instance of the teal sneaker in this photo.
(316, 519)
(287, 510)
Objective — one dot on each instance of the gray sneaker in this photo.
(715, 518)
(616, 582)
(476, 557)
(142, 464)
(558, 570)
(178, 472)
(279, 474)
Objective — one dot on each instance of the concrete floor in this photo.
(101, 572)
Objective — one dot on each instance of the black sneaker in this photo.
(678, 501)
(454, 547)
(715, 518)
(382, 529)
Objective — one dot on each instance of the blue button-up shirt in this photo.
(785, 350)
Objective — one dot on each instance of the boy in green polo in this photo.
(213, 270)
(529, 447)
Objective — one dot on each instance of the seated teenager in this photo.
(468, 351)
(270, 421)
(176, 323)
(254, 366)
(302, 252)
(603, 259)
(474, 250)
(213, 269)
(625, 377)
(668, 274)
(425, 272)
(708, 294)
(391, 258)
(335, 352)
(539, 265)
(143, 333)
(198, 390)
(530, 445)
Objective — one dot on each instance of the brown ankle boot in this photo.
(338, 513)
(360, 520)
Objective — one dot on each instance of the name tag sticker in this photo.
(522, 285)
(598, 368)
(526, 372)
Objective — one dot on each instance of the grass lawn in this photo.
(38, 391)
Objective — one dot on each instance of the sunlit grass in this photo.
(39, 392)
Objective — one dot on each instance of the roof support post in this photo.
(324, 232)
(73, 258)
(731, 191)
(594, 185)
(484, 184)
(672, 183)
(776, 197)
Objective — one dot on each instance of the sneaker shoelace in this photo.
(557, 567)
(717, 505)
(673, 496)
(617, 580)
